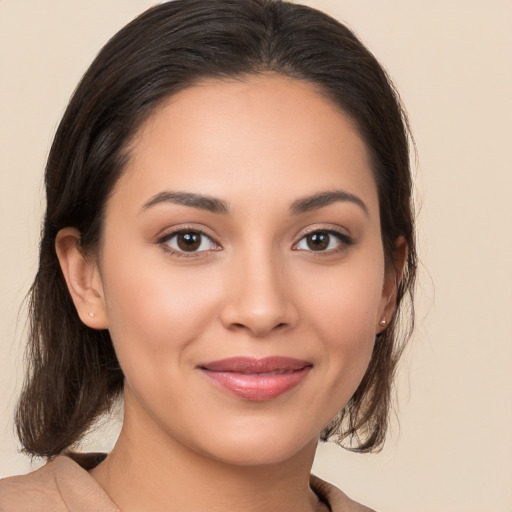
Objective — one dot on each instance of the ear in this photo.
(392, 279)
(82, 278)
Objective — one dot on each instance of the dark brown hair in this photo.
(73, 374)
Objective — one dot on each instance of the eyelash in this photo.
(163, 241)
(344, 242)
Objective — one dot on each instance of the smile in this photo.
(256, 379)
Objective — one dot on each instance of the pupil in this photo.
(318, 241)
(189, 241)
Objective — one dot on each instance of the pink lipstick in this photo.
(256, 379)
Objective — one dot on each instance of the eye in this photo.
(189, 241)
(322, 241)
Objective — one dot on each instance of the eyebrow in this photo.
(199, 201)
(317, 201)
(214, 205)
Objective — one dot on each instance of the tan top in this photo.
(63, 485)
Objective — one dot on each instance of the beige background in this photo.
(451, 60)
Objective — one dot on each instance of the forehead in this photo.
(267, 136)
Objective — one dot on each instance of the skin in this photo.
(255, 288)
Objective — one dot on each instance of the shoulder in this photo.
(59, 486)
(338, 501)
(32, 492)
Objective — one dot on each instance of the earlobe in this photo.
(391, 283)
(82, 278)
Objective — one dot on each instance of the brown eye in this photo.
(318, 241)
(190, 241)
(323, 241)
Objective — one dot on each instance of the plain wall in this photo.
(452, 63)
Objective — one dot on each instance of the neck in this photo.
(149, 470)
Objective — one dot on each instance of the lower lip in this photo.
(257, 387)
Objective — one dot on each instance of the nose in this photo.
(259, 300)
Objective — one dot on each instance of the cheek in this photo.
(155, 312)
(342, 310)
(345, 303)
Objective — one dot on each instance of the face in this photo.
(242, 270)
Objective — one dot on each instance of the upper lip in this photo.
(251, 365)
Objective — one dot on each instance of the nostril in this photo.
(237, 326)
(258, 314)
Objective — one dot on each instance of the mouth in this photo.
(256, 379)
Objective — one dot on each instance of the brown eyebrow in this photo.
(316, 201)
(214, 205)
(199, 201)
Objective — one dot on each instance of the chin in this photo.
(250, 448)
(256, 456)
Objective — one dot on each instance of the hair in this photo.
(73, 375)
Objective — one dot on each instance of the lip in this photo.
(256, 379)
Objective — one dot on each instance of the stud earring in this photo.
(382, 322)
(91, 314)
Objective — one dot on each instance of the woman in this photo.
(227, 244)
